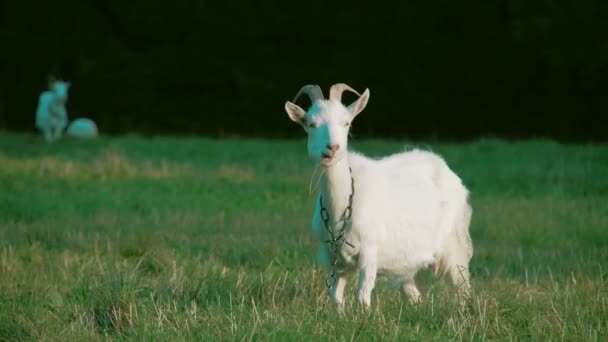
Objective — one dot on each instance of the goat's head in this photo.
(60, 89)
(327, 122)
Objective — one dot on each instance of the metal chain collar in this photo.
(336, 241)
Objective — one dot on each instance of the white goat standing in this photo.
(51, 115)
(393, 216)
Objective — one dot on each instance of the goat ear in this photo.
(357, 106)
(295, 112)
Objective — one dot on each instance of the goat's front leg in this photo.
(57, 133)
(338, 282)
(48, 134)
(337, 290)
(367, 280)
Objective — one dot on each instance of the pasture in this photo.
(201, 239)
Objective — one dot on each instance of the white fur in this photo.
(51, 115)
(409, 211)
(82, 128)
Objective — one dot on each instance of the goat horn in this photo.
(312, 90)
(336, 90)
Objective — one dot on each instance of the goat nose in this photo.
(333, 147)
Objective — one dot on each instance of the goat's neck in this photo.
(336, 188)
(57, 100)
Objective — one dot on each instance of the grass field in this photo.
(192, 238)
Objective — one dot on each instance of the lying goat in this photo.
(82, 128)
(51, 115)
(393, 216)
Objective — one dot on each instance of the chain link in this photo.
(336, 241)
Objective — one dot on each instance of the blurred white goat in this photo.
(82, 128)
(51, 115)
(392, 216)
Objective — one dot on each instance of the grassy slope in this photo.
(196, 238)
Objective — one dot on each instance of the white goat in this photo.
(51, 115)
(82, 128)
(392, 216)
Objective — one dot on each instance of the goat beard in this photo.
(315, 172)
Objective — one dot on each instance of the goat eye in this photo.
(346, 124)
(312, 125)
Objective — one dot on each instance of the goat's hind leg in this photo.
(459, 276)
(457, 266)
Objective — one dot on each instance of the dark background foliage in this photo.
(436, 69)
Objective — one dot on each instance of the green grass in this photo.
(191, 238)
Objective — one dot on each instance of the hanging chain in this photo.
(336, 241)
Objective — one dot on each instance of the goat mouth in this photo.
(326, 158)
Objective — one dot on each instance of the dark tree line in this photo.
(440, 68)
